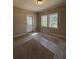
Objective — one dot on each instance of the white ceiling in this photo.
(31, 5)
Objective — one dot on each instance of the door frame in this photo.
(26, 23)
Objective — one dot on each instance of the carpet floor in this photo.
(31, 50)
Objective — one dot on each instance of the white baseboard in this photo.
(59, 35)
(14, 36)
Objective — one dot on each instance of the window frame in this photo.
(49, 20)
(41, 20)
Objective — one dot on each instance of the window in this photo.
(29, 24)
(44, 21)
(29, 20)
(53, 20)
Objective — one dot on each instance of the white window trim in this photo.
(49, 19)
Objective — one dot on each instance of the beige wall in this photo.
(19, 20)
(61, 30)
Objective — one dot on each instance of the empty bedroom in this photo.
(39, 29)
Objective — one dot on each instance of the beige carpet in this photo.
(31, 50)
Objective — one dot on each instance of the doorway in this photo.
(29, 24)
